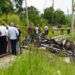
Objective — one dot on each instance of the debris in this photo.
(67, 60)
(43, 48)
(57, 44)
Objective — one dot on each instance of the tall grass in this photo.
(39, 62)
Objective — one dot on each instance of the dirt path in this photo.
(6, 61)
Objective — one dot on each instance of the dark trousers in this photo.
(46, 32)
(13, 46)
(3, 44)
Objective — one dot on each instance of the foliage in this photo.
(59, 17)
(68, 20)
(16, 20)
(55, 17)
(49, 14)
(33, 16)
(5, 6)
(19, 5)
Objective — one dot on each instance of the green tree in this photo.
(33, 15)
(5, 6)
(49, 15)
(55, 17)
(19, 5)
(59, 17)
(68, 20)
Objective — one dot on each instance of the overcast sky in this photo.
(64, 5)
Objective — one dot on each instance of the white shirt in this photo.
(13, 33)
(3, 31)
(46, 27)
(37, 30)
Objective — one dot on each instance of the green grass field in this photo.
(39, 62)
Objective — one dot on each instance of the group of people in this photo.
(9, 36)
(34, 32)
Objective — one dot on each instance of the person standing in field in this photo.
(18, 42)
(37, 32)
(46, 30)
(8, 44)
(13, 34)
(30, 33)
(3, 39)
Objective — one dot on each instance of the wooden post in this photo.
(73, 16)
(26, 12)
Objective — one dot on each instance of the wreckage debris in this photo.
(57, 45)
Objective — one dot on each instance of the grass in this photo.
(39, 62)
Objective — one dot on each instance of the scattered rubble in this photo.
(58, 44)
(67, 60)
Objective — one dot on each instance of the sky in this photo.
(64, 5)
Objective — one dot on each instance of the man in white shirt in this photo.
(13, 34)
(46, 30)
(37, 30)
(3, 39)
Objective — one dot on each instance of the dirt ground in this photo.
(6, 61)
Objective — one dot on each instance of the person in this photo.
(8, 44)
(68, 31)
(30, 34)
(3, 39)
(13, 34)
(46, 30)
(18, 42)
(37, 32)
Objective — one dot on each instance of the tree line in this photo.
(49, 17)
